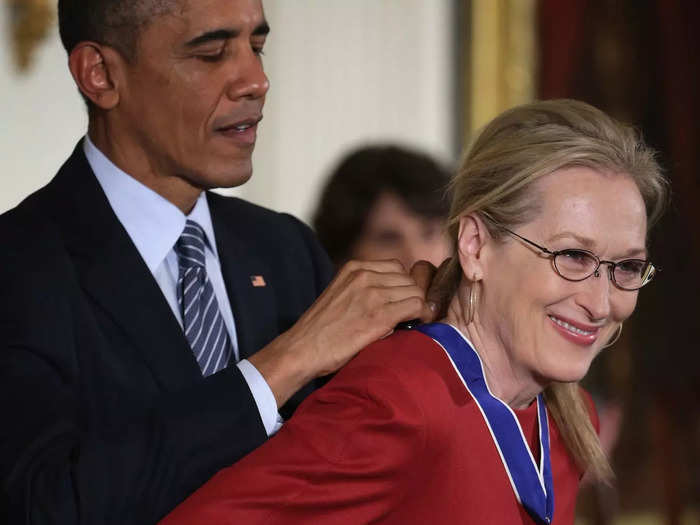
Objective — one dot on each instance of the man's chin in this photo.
(234, 181)
(226, 178)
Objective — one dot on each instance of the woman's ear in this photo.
(472, 238)
(94, 68)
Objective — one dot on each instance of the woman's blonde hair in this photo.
(495, 179)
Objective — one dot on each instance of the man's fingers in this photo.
(395, 294)
(435, 295)
(431, 280)
(358, 274)
(408, 309)
(371, 279)
(388, 266)
(423, 273)
(365, 301)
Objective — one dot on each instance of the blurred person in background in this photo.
(478, 418)
(385, 202)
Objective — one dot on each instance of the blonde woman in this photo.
(478, 418)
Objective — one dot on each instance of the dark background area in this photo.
(638, 61)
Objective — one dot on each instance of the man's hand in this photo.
(364, 302)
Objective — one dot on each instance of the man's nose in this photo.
(250, 80)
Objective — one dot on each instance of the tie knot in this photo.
(190, 246)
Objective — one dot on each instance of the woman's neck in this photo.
(507, 380)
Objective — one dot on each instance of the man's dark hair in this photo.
(116, 23)
(361, 178)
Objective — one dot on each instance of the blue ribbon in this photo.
(533, 486)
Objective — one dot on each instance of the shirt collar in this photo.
(153, 223)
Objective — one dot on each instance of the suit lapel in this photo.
(112, 272)
(248, 278)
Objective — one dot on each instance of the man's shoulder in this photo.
(230, 204)
(36, 211)
(38, 270)
(27, 225)
(245, 216)
(285, 245)
(265, 231)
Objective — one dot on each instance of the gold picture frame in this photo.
(502, 55)
(30, 23)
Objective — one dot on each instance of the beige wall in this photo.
(342, 73)
(41, 117)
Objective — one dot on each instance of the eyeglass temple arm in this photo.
(542, 248)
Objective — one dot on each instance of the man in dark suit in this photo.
(151, 332)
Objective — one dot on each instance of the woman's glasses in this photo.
(577, 265)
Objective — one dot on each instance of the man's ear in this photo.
(95, 69)
(472, 238)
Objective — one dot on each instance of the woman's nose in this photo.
(595, 292)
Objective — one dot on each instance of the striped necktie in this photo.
(201, 318)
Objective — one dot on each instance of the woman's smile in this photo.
(577, 333)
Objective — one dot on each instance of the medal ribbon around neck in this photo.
(532, 485)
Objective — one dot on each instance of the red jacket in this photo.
(394, 438)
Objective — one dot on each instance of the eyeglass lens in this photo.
(578, 265)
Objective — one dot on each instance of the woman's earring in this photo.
(617, 336)
(473, 298)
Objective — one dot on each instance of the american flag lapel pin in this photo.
(257, 281)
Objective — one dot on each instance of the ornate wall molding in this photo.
(30, 23)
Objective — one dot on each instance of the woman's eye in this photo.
(576, 256)
(631, 266)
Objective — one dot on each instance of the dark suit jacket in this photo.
(105, 415)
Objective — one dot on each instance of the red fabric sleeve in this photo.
(347, 456)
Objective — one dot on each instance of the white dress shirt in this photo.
(154, 225)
